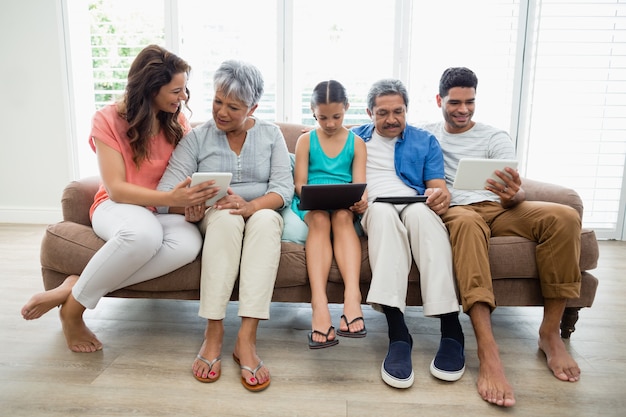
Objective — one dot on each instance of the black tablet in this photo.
(402, 200)
(330, 196)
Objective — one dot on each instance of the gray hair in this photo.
(386, 87)
(240, 80)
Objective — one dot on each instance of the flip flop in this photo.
(246, 385)
(320, 345)
(210, 363)
(348, 333)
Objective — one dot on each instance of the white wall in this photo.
(35, 157)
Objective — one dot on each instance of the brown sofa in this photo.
(67, 246)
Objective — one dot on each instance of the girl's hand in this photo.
(360, 206)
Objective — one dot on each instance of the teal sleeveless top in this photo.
(326, 170)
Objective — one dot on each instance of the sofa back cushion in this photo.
(291, 132)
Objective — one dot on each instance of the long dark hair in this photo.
(153, 68)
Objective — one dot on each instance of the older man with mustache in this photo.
(405, 161)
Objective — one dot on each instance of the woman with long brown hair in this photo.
(133, 140)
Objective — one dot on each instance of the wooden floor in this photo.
(144, 369)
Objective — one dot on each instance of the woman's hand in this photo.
(236, 204)
(184, 196)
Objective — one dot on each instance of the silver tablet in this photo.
(472, 173)
(222, 180)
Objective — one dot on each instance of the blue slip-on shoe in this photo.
(397, 368)
(449, 362)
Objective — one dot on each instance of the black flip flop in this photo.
(320, 345)
(348, 333)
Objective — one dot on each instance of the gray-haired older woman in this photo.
(243, 229)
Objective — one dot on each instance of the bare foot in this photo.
(211, 349)
(492, 384)
(77, 335)
(560, 362)
(40, 303)
(79, 338)
(321, 322)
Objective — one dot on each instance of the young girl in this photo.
(326, 155)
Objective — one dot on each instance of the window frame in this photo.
(286, 104)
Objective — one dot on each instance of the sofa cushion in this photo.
(294, 229)
(67, 247)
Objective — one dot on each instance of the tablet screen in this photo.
(222, 180)
(472, 173)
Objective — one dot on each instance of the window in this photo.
(208, 37)
(576, 132)
(116, 40)
(351, 41)
(460, 33)
(103, 38)
(551, 72)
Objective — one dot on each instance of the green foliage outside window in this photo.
(119, 31)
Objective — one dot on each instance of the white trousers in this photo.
(396, 236)
(234, 247)
(140, 245)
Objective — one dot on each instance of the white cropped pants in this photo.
(396, 236)
(140, 245)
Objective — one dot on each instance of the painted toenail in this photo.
(252, 379)
(212, 373)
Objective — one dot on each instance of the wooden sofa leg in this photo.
(568, 321)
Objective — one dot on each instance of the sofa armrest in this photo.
(77, 199)
(543, 191)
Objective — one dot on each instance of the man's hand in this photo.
(438, 199)
(511, 192)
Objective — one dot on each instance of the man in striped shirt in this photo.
(501, 210)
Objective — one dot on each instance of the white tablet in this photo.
(222, 180)
(472, 173)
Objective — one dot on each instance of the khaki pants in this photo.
(234, 247)
(396, 236)
(555, 228)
